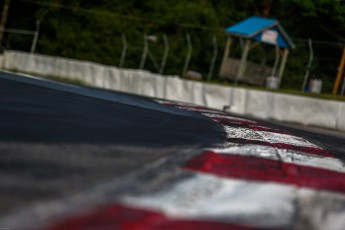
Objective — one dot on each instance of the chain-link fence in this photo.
(20, 39)
(202, 53)
(306, 64)
(313, 60)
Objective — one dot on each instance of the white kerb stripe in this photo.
(255, 204)
(284, 155)
(271, 137)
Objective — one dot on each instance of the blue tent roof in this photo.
(254, 28)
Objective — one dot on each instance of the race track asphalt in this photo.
(57, 140)
(54, 141)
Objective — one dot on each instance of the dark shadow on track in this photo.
(31, 113)
(55, 143)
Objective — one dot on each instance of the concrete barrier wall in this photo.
(266, 105)
(341, 118)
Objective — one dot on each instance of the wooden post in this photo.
(340, 73)
(225, 57)
(282, 65)
(243, 62)
(226, 51)
(343, 88)
(276, 62)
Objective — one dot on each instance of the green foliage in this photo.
(91, 30)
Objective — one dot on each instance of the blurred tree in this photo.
(91, 30)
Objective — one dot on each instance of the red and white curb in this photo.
(261, 178)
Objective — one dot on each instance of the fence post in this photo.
(215, 53)
(124, 50)
(143, 57)
(165, 55)
(189, 53)
(34, 42)
(309, 64)
(4, 16)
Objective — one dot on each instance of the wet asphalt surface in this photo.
(54, 143)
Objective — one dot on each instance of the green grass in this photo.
(216, 82)
(283, 91)
(313, 95)
(53, 78)
(65, 80)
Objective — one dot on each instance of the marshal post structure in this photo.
(251, 32)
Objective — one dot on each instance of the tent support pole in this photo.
(282, 65)
(243, 62)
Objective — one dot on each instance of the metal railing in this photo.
(255, 74)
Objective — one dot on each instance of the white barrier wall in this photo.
(341, 118)
(282, 107)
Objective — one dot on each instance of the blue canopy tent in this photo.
(253, 31)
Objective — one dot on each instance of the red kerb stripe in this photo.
(253, 168)
(117, 216)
